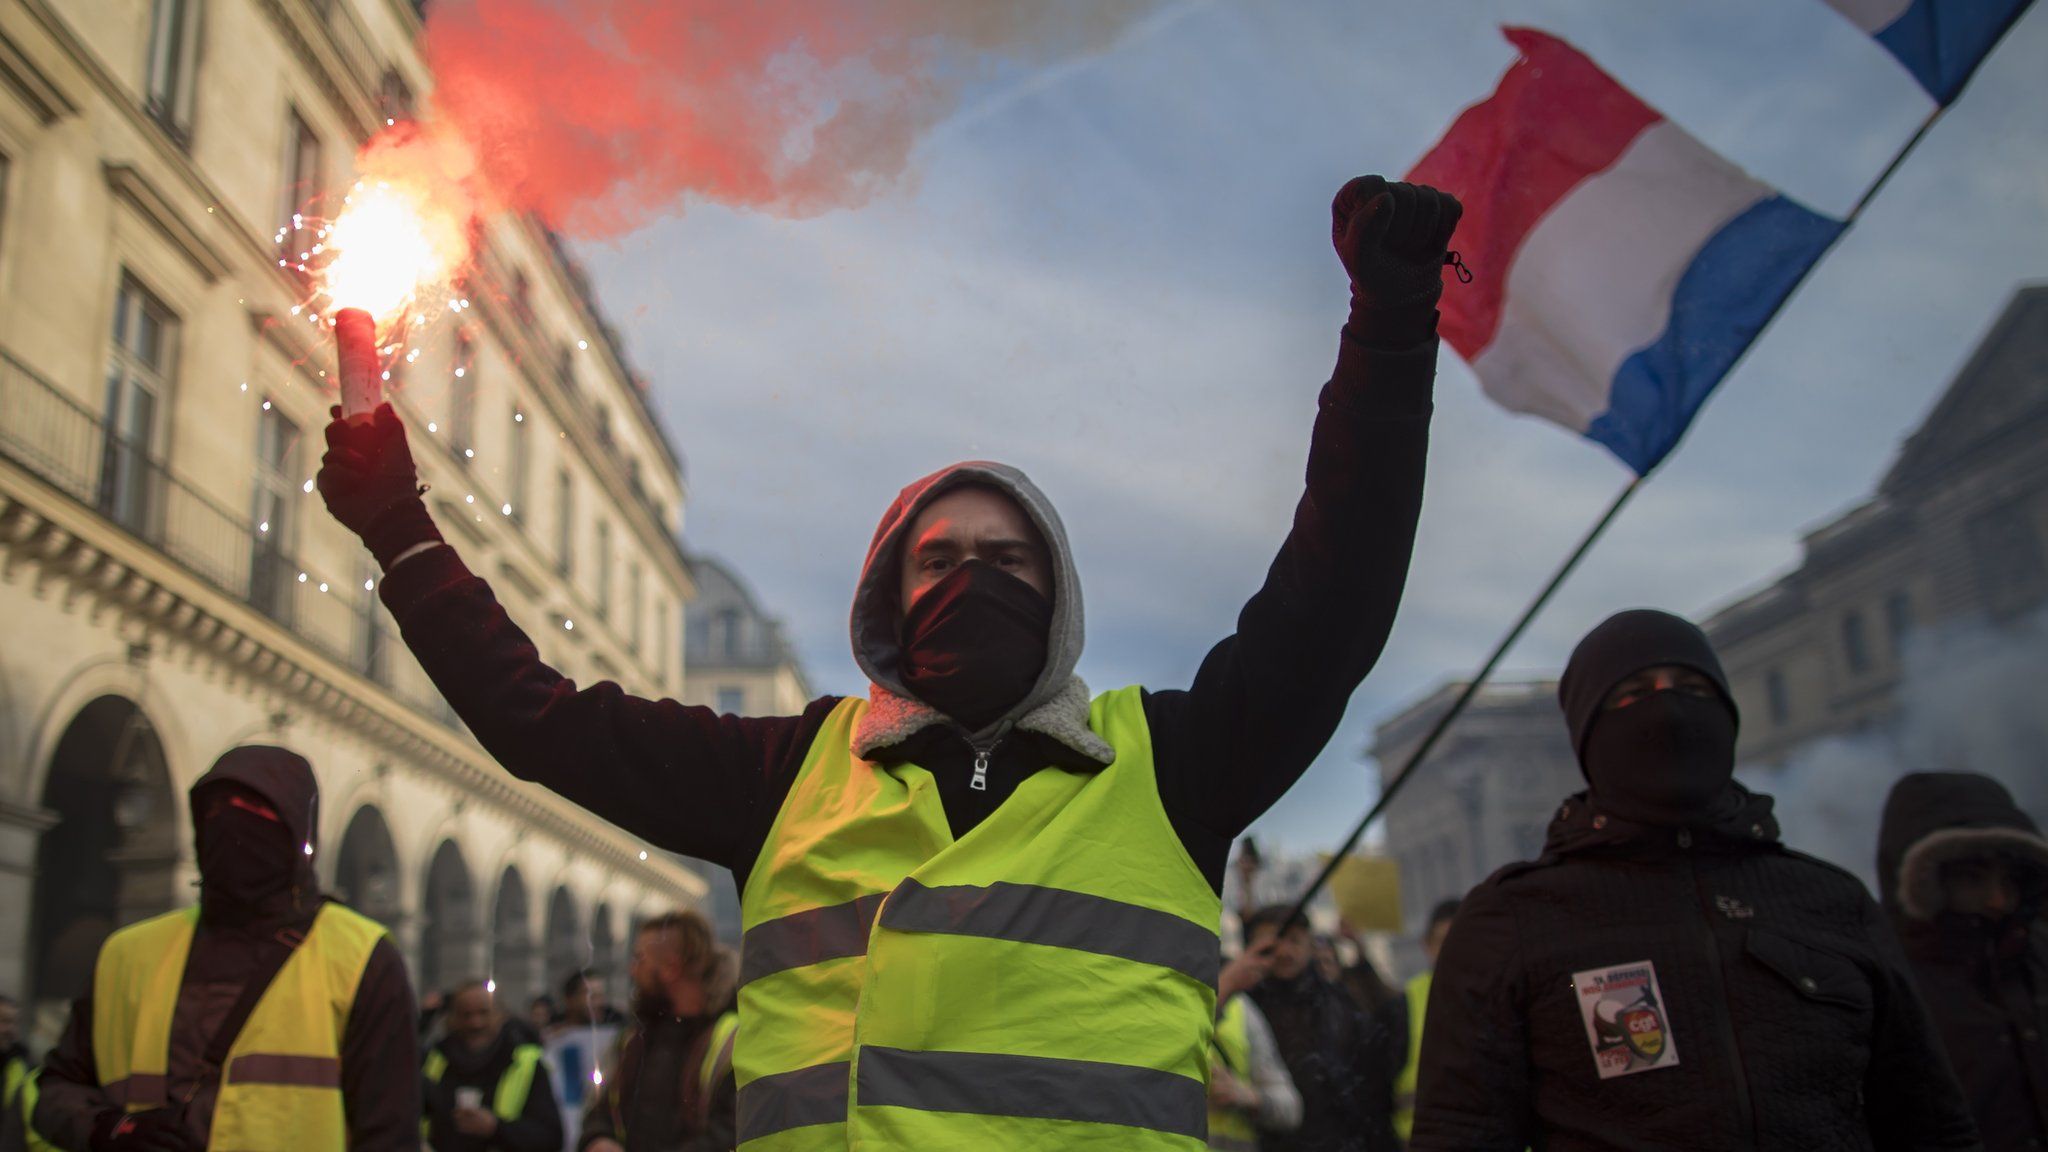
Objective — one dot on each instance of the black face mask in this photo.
(245, 861)
(1664, 759)
(974, 644)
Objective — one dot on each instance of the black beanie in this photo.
(1623, 645)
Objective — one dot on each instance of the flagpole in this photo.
(1471, 689)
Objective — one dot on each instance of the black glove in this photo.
(157, 1130)
(371, 486)
(1392, 238)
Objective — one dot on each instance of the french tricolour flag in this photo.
(1939, 41)
(1622, 266)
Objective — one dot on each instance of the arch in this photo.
(111, 859)
(567, 948)
(512, 950)
(86, 684)
(448, 929)
(366, 872)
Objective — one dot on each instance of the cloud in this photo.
(1120, 279)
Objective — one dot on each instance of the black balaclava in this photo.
(974, 643)
(251, 868)
(1669, 757)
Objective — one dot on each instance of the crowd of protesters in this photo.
(1668, 974)
(982, 907)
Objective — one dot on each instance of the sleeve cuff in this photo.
(419, 577)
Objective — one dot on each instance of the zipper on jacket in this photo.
(1745, 1112)
(980, 781)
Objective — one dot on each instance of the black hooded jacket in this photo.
(1985, 980)
(1260, 709)
(538, 1128)
(379, 1052)
(1783, 1008)
(1342, 1061)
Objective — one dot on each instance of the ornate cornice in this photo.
(87, 564)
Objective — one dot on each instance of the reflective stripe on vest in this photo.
(290, 1043)
(1404, 1084)
(717, 1052)
(1047, 980)
(1230, 1128)
(515, 1083)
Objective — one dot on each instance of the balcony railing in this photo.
(70, 447)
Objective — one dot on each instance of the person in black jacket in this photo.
(1964, 873)
(971, 644)
(1667, 974)
(670, 1086)
(487, 1087)
(1341, 1060)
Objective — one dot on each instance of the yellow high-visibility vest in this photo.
(515, 1083)
(722, 1030)
(1228, 1127)
(1404, 1084)
(32, 1140)
(1047, 981)
(281, 1087)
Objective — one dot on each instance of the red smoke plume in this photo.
(596, 115)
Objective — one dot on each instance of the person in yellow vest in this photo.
(980, 905)
(487, 1084)
(267, 1017)
(14, 1062)
(1250, 1090)
(669, 1084)
(1404, 1017)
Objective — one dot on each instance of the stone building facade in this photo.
(739, 660)
(1956, 534)
(1484, 797)
(169, 584)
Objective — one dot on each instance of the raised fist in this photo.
(1392, 238)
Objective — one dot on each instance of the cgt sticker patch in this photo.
(1625, 1019)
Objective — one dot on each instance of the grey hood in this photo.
(1057, 704)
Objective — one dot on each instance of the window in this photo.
(725, 632)
(1778, 697)
(373, 647)
(1898, 621)
(565, 366)
(731, 701)
(522, 296)
(301, 186)
(394, 97)
(633, 618)
(661, 641)
(270, 568)
(565, 522)
(173, 61)
(2012, 569)
(604, 569)
(516, 466)
(603, 416)
(138, 375)
(462, 399)
(1855, 642)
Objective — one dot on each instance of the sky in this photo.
(1114, 272)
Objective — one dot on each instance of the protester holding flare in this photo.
(1045, 959)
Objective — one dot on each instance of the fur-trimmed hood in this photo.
(1931, 818)
(1056, 706)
